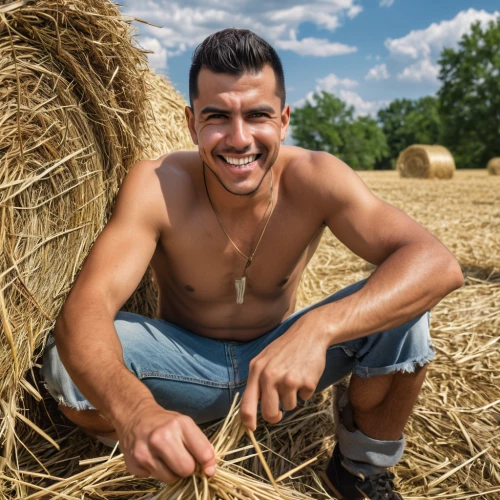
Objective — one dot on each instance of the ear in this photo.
(190, 123)
(285, 121)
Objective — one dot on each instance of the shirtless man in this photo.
(196, 217)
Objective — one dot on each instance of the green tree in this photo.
(406, 122)
(329, 125)
(470, 96)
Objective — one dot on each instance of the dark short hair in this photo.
(235, 51)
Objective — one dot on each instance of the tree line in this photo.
(464, 115)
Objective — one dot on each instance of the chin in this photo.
(244, 188)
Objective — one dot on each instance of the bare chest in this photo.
(197, 259)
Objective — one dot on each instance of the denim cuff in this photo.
(359, 447)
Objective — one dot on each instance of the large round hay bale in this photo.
(493, 166)
(426, 162)
(167, 131)
(74, 110)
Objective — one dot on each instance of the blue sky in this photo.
(367, 52)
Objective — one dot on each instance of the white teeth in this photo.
(240, 161)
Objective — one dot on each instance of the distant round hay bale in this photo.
(75, 117)
(426, 162)
(494, 166)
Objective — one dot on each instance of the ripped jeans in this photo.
(199, 376)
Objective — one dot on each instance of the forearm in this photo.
(91, 352)
(409, 282)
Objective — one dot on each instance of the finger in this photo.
(305, 394)
(249, 401)
(168, 447)
(270, 404)
(164, 473)
(179, 461)
(176, 457)
(134, 468)
(200, 448)
(143, 462)
(288, 399)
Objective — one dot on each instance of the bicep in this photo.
(123, 250)
(367, 225)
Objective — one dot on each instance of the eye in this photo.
(216, 116)
(260, 114)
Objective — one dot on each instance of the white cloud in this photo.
(386, 3)
(424, 46)
(333, 85)
(430, 41)
(319, 47)
(378, 72)
(186, 24)
(420, 72)
(158, 59)
(302, 13)
(308, 98)
(332, 81)
(361, 107)
(354, 11)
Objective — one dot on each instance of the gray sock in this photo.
(363, 455)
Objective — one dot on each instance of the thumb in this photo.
(209, 467)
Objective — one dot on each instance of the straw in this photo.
(452, 450)
(70, 132)
(75, 117)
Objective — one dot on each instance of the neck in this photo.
(227, 202)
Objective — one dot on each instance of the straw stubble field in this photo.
(71, 130)
(453, 451)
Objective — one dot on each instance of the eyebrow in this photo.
(259, 109)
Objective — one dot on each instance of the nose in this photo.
(239, 135)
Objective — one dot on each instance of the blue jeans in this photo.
(199, 377)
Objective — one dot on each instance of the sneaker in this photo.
(347, 486)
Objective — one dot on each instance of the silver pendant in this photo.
(240, 289)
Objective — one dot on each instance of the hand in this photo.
(164, 444)
(291, 365)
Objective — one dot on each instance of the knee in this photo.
(92, 421)
(367, 394)
(72, 403)
(58, 382)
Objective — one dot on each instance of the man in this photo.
(228, 231)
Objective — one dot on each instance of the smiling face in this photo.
(238, 126)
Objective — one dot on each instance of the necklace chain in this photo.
(252, 253)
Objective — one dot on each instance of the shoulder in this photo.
(168, 172)
(313, 164)
(177, 163)
(161, 185)
(318, 173)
